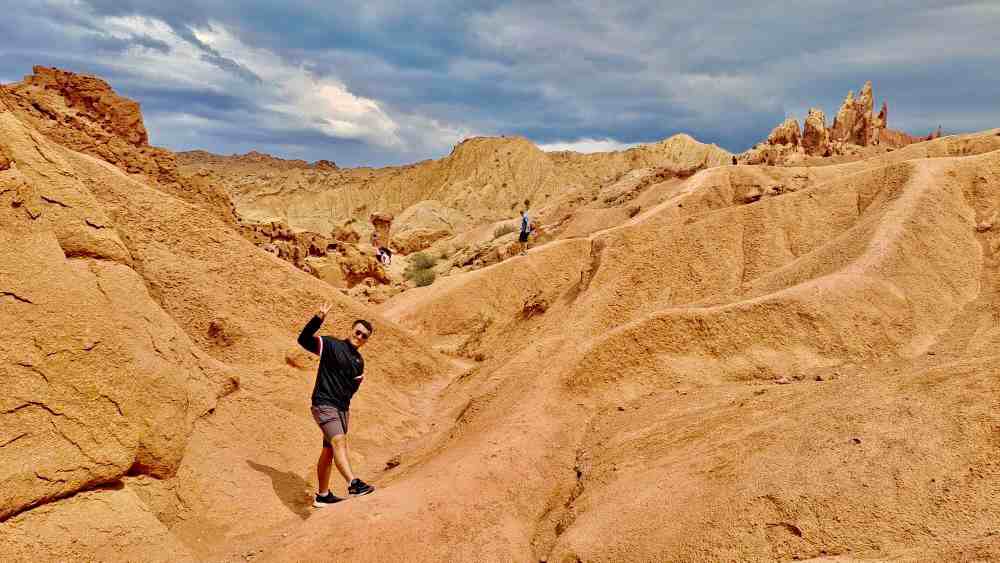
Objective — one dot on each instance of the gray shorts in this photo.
(331, 420)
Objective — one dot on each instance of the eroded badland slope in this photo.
(147, 356)
(755, 363)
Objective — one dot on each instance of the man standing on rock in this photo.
(341, 371)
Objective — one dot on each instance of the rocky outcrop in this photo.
(815, 137)
(346, 232)
(355, 266)
(854, 123)
(84, 114)
(423, 224)
(485, 178)
(382, 224)
(336, 260)
(277, 238)
(855, 127)
(895, 139)
(785, 134)
(98, 380)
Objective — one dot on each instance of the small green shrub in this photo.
(421, 261)
(423, 277)
(503, 229)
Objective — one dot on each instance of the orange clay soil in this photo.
(763, 363)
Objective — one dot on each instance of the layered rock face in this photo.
(855, 127)
(98, 380)
(483, 178)
(135, 327)
(423, 224)
(84, 114)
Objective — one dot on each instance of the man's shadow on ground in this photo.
(290, 488)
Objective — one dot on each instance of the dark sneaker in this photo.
(359, 488)
(327, 500)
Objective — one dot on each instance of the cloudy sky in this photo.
(375, 82)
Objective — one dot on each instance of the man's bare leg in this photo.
(340, 457)
(323, 467)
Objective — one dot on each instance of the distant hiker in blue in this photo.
(522, 239)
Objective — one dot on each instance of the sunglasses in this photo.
(361, 334)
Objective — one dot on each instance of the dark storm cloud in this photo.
(112, 45)
(725, 72)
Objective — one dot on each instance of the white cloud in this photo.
(293, 96)
(286, 98)
(587, 145)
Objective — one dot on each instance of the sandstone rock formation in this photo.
(82, 113)
(382, 224)
(124, 313)
(815, 136)
(854, 122)
(804, 357)
(854, 128)
(295, 247)
(422, 224)
(356, 266)
(346, 232)
(785, 134)
(483, 178)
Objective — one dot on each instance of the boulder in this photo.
(99, 381)
(815, 137)
(423, 224)
(346, 233)
(277, 238)
(785, 134)
(356, 266)
(382, 224)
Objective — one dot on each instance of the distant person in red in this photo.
(341, 371)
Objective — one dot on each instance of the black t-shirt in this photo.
(341, 367)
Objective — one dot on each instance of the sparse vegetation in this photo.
(503, 229)
(420, 270)
(422, 277)
(422, 261)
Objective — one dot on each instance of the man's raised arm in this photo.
(308, 338)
